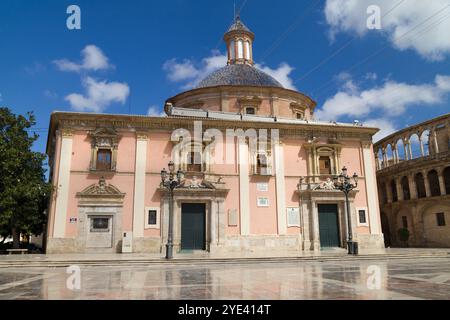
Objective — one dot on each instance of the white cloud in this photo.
(154, 111)
(93, 60)
(281, 74)
(393, 98)
(99, 95)
(371, 76)
(385, 125)
(428, 37)
(191, 73)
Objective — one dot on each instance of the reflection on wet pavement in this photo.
(388, 279)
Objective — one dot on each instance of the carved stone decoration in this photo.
(100, 193)
(326, 185)
(103, 138)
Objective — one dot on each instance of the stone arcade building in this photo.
(272, 199)
(413, 173)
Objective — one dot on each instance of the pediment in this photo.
(102, 189)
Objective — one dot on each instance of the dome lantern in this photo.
(239, 40)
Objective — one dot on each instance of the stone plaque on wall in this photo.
(232, 218)
(293, 217)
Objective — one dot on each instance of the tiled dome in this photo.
(239, 75)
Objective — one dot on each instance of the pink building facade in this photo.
(257, 170)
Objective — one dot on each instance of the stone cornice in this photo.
(415, 165)
(246, 90)
(137, 123)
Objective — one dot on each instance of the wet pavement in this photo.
(383, 279)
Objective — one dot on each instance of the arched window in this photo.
(247, 50)
(394, 191)
(240, 50)
(405, 189)
(446, 174)
(433, 180)
(420, 185)
(232, 50)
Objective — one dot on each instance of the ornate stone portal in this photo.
(100, 218)
(193, 190)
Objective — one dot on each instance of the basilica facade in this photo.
(255, 172)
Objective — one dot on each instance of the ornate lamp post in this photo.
(343, 183)
(170, 181)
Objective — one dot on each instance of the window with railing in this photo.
(104, 159)
(194, 163)
(324, 165)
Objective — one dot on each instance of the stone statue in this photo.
(327, 185)
(102, 185)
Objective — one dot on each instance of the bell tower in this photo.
(239, 40)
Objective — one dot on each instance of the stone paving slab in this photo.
(398, 280)
(64, 260)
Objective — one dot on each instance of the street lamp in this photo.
(343, 183)
(170, 181)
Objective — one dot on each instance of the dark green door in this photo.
(193, 225)
(328, 225)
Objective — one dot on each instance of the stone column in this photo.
(371, 189)
(385, 159)
(62, 191)
(305, 210)
(280, 187)
(165, 221)
(441, 181)
(388, 192)
(177, 225)
(222, 221)
(410, 151)
(244, 186)
(224, 102)
(377, 161)
(405, 148)
(139, 185)
(422, 150)
(398, 185)
(274, 106)
(214, 223)
(314, 227)
(394, 154)
(435, 142)
(412, 187)
(427, 183)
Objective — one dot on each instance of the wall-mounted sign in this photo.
(262, 187)
(293, 217)
(232, 217)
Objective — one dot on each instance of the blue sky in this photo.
(130, 56)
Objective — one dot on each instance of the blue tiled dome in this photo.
(239, 75)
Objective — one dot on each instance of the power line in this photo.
(374, 54)
(324, 61)
(289, 30)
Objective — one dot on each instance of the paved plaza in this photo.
(358, 279)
